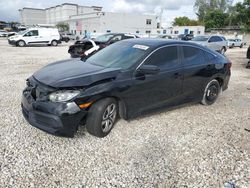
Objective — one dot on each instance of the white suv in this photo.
(214, 42)
(36, 35)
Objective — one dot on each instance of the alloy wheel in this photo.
(109, 117)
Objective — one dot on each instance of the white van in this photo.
(36, 35)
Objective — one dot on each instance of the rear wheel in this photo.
(101, 117)
(211, 92)
(54, 43)
(241, 46)
(21, 43)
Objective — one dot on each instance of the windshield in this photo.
(200, 38)
(104, 38)
(119, 55)
(22, 32)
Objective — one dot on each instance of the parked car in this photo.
(3, 33)
(87, 47)
(36, 35)
(64, 38)
(165, 37)
(214, 42)
(235, 43)
(70, 36)
(248, 57)
(12, 33)
(185, 37)
(126, 79)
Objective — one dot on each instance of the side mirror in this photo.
(148, 69)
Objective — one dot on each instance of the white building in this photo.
(82, 19)
(53, 15)
(32, 16)
(106, 22)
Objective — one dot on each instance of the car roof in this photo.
(119, 34)
(157, 42)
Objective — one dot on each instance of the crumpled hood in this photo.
(73, 73)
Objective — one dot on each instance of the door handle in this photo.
(177, 75)
(209, 67)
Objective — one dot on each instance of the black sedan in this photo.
(248, 57)
(87, 47)
(126, 79)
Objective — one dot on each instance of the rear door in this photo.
(216, 43)
(196, 71)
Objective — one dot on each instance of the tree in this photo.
(62, 26)
(243, 14)
(202, 7)
(184, 21)
(215, 19)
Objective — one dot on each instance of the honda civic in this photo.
(126, 79)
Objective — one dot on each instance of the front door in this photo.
(32, 37)
(151, 91)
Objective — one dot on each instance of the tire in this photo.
(223, 50)
(211, 92)
(241, 46)
(232, 46)
(54, 43)
(21, 43)
(102, 116)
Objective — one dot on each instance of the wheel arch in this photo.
(122, 108)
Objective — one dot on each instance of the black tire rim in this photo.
(212, 93)
(108, 118)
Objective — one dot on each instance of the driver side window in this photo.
(31, 33)
(164, 58)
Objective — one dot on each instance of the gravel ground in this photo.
(192, 146)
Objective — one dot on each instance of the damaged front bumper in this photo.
(61, 119)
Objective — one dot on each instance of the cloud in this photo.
(9, 9)
(149, 5)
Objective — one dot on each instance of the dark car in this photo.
(165, 37)
(87, 47)
(186, 37)
(248, 57)
(126, 79)
(64, 38)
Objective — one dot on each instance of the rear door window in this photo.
(164, 58)
(193, 56)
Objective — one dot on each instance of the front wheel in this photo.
(211, 92)
(223, 50)
(102, 116)
(21, 43)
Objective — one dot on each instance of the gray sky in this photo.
(173, 8)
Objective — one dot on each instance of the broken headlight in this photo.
(63, 95)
